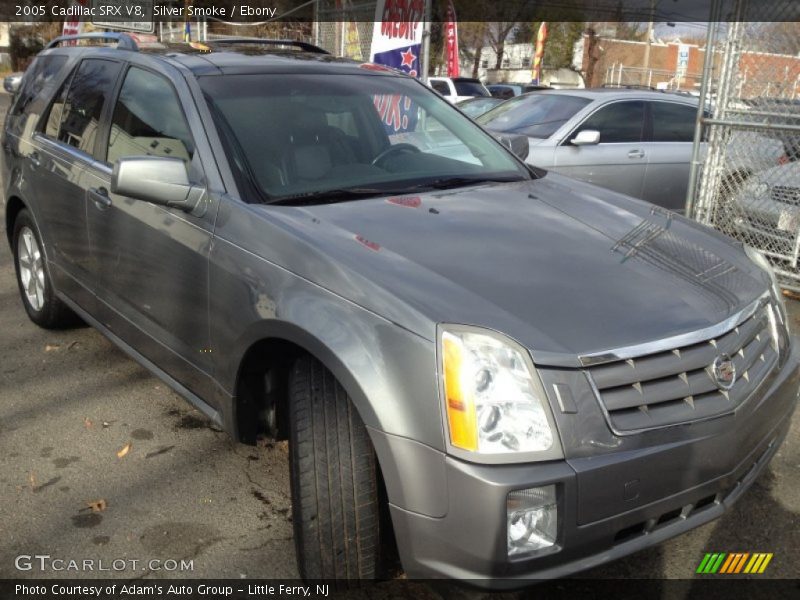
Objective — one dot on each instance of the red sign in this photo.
(73, 27)
(451, 36)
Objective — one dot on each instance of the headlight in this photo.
(494, 401)
(777, 313)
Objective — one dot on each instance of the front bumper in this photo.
(467, 538)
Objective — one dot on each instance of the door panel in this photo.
(669, 153)
(151, 262)
(61, 152)
(619, 161)
(667, 176)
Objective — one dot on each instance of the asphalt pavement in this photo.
(100, 461)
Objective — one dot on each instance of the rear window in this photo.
(39, 74)
(468, 87)
(537, 115)
(441, 87)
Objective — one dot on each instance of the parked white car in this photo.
(455, 89)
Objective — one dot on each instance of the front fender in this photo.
(389, 372)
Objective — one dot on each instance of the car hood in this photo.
(563, 267)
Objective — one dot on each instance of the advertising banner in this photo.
(451, 37)
(538, 54)
(397, 36)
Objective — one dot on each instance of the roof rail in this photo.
(267, 42)
(630, 86)
(124, 41)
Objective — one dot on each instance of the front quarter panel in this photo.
(389, 372)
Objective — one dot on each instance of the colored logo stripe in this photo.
(733, 563)
(711, 562)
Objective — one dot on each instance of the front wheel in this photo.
(335, 503)
(40, 302)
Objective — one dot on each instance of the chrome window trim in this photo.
(676, 341)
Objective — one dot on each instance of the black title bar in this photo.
(251, 11)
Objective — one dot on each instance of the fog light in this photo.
(531, 519)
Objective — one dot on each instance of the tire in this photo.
(38, 297)
(335, 503)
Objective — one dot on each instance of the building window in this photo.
(526, 62)
(484, 64)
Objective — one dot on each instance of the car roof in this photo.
(234, 58)
(621, 93)
(479, 99)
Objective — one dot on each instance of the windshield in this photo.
(292, 135)
(467, 87)
(535, 115)
(478, 106)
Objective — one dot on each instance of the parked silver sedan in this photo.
(630, 141)
(637, 142)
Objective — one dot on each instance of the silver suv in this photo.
(512, 374)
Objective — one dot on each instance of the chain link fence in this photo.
(747, 153)
(344, 27)
(619, 75)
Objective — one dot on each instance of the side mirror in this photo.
(518, 144)
(587, 137)
(12, 83)
(163, 181)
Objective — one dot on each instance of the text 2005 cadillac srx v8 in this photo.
(517, 374)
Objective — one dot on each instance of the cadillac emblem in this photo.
(724, 372)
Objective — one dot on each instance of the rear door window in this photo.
(673, 122)
(74, 116)
(51, 122)
(618, 123)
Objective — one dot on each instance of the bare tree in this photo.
(778, 38)
(498, 33)
(472, 39)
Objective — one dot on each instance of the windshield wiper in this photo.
(356, 193)
(326, 196)
(446, 183)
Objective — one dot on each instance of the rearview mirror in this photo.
(159, 180)
(587, 137)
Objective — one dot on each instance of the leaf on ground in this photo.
(32, 481)
(87, 422)
(73, 344)
(97, 506)
(51, 347)
(124, 450)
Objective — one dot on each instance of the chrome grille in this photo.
(786, 195)
(677, 386)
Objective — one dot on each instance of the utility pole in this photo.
(426, 43)
(649, 41)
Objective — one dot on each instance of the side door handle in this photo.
(100, 197)
(636, 154)
(35, 160)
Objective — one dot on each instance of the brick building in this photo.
(676, 65)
